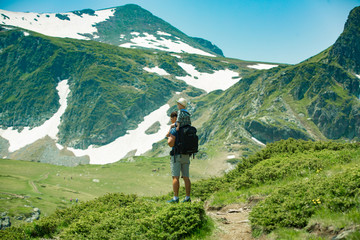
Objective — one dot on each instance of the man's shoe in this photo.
(173, 201)
(186, 200)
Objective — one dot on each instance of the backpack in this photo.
(188, 140)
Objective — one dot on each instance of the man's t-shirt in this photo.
(175, 134)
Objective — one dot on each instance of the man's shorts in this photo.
(180, 163)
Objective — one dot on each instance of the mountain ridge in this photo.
(322, 91)
(127, 26)
(315, 99)
(100, 77)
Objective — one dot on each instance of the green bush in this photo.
(294, 204)
(116, 216)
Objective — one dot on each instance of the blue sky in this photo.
(282, 31)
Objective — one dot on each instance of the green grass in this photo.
(297, 184)
(56, 185)
(297, 189)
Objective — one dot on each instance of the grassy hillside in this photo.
(49, 187)
(303, 190)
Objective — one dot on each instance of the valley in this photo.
(84, 113)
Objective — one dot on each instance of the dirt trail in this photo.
(232, 221)
(34, 187)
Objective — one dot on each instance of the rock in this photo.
(235, 210)
(267, 133)
(343, 235)
(154, 128)
(5, 222)
(35, 215)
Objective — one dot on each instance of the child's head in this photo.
(182, 103)
(173, 117)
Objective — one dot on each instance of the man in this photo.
(179, 163)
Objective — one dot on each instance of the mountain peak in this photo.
(346, 50)
(128, 26)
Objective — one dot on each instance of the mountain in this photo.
(346, 50)
(107, 90)
(316, 99)
(115, 95)
(127, 26)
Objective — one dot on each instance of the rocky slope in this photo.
(315, 99)
(111, 89)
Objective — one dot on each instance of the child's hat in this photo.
(182, 101)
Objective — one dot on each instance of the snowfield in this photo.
(27, 136)
(261, 66)
(133, 140)
(112, 152)
(49, 24)
(150, 41)
(157, 70)
(71, 25)
(258, 142)
(222, 79)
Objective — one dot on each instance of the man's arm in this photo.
(171, 140)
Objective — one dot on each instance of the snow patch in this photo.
(150, 41)
(262, 66)
(134, 139)
(60, 147)
(26, 34)
(163, 33)
(174, 55)
(222, 79)
(7, 28)
(177, 93)
(157, 70)
(257, 141)
(49, 24)
(19, 140)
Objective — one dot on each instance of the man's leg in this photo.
(187, 186)
(176, 186)
(185, 164)
(175, 172)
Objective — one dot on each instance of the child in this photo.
(183, 116)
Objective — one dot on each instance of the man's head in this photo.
(182, 103)
(173, 117)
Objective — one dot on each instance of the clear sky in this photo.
(281, 31)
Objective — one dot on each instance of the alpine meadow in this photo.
(85, 100)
